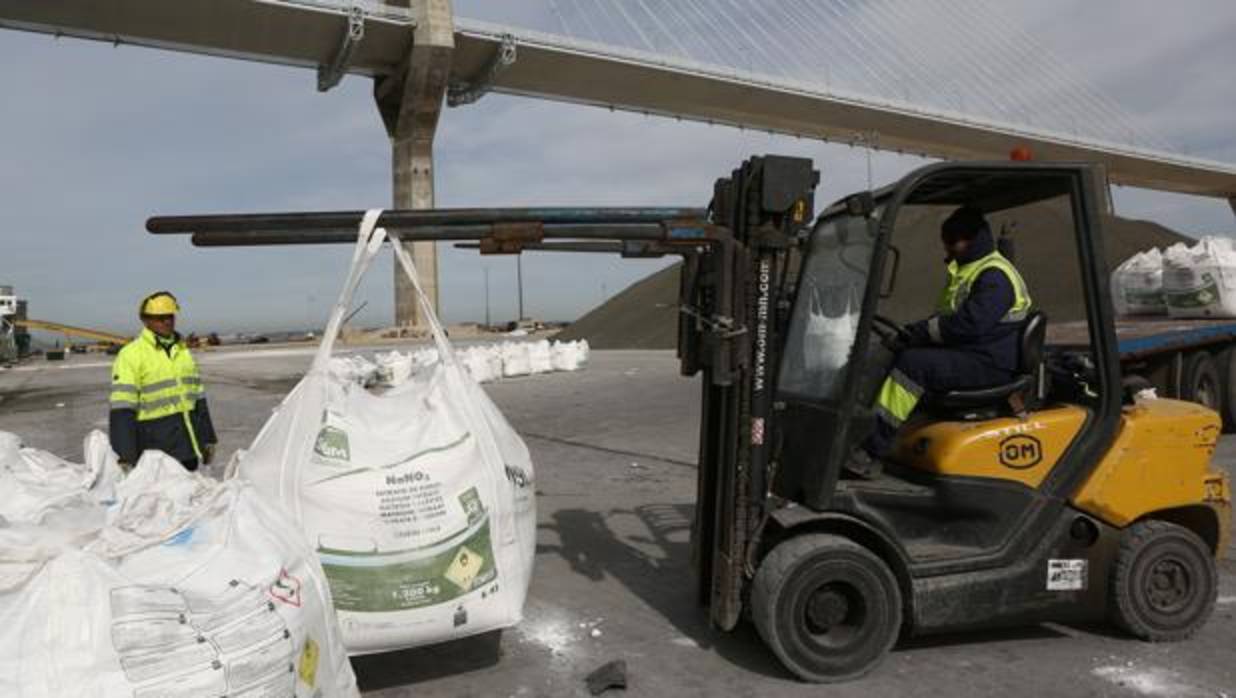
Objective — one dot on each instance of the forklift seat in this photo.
(1014, 393)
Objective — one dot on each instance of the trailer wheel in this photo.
(1226, 362)
(1200, 382)
(826, 606)
(1164, 583)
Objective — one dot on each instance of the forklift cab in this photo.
(999, 506)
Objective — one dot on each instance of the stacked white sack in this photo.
(182, 587)
(1200, 281)
(419, 500)
(1137, 285)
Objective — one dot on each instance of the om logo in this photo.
(1021, 452)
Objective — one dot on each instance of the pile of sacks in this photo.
(1182, 281)
(484, 362)
(158, 583)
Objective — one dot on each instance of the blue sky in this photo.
(97, 138)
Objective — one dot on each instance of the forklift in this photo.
(1063, 496)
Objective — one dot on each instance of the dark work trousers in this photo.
(921, 370)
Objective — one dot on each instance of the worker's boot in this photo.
(863, 465)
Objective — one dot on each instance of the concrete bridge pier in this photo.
(410, 102)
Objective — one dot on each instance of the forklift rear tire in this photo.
(1164, 583)
(829, 608)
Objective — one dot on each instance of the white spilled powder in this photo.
(1226, 600)
(553, 631)
(1149, 681)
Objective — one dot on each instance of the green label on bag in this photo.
(408, 579)
(333, 443)
(1206, 294)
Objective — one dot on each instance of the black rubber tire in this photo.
(1164, 582)
(1200, 382)
(1225, 361)
(829, 608)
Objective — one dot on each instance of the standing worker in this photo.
(971, 341)
(157, 400)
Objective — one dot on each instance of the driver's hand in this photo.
(916, 334)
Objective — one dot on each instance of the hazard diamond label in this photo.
(464, 568)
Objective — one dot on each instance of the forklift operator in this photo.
(971, 342)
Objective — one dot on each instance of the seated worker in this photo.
(971, 341)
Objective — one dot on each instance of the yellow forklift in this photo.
(1065, 495)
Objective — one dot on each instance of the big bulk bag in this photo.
(419, 501)
(1137, 285)
(183, 586)
(1200, 281)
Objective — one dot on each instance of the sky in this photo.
(97, 138)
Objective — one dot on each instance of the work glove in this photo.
(125, 466)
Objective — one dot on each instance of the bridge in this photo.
(827, 69)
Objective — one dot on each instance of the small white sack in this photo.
(1137, 285)
(192, 588)
(419, 501)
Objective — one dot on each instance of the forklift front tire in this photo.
(1164, 583)
(829, 608)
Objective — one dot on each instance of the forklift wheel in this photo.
(827, 607)
(1164, 582)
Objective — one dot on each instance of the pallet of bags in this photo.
(419, 501)
(1200, 281)
(158, 583)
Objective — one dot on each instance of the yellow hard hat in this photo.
(160, 303)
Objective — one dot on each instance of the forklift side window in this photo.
(830, 298)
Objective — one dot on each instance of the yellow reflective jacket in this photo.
(158, 401)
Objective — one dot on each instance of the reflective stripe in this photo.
(191, 380)
(933, 329)
(160, 403)
(124, 388)
(898, 397)
(161, 385)
(121, 404)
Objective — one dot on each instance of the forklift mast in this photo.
(735, 300)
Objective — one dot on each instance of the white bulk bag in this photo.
(394, 368)
(35, 484)
(1200, 281)
(355, 369)
(1137, 285)
(515, 359)
(566, 356)
(540, 359)
(192, 588)
(418, 501)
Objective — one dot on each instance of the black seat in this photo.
(1014, 393)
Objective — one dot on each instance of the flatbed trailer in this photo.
(1189, 359)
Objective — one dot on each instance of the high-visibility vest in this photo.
(157, 383)
(962, 276)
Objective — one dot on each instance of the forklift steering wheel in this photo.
(892, 335)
